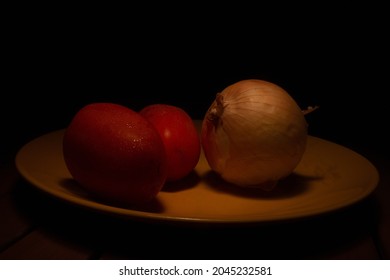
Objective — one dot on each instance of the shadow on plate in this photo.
(293, 185)
(188, 182)
(75, 189)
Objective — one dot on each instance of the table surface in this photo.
(34, 225)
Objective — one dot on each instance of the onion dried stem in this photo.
(309, 109)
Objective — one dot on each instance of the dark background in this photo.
(57, 64)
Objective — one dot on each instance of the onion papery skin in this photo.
(254, 134)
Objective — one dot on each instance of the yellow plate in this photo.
(328, 178)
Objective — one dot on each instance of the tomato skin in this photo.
(115, 153)
(180, 137)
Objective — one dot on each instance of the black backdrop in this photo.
(51, 72)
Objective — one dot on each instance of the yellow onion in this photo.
(254, 134)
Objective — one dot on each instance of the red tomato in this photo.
(115, 153)
(180, 137)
